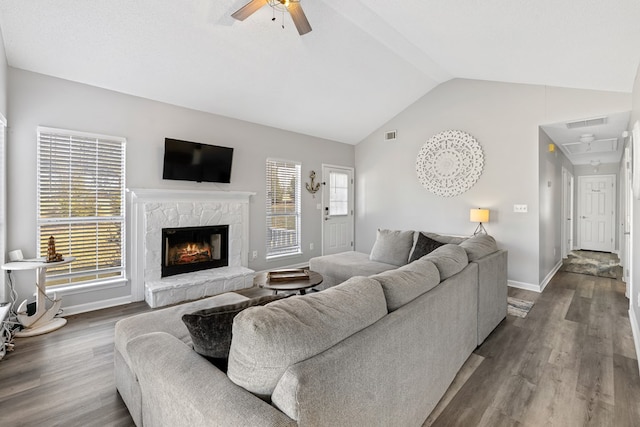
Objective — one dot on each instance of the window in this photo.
(338, 193)
(81, 204)
(283, 208)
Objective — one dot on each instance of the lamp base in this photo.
(480, 230)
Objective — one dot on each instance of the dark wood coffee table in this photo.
(293, 285)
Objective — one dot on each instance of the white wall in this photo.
(3, 110)
(3, 78)
(634, 290)
(36, 99)
(504, 118)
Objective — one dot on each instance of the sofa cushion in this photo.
(342, 266)
(408, 282)
(424, 245)
(479, 246)
(210, 328)
(165, 320)
(268, 339)
(392, 247)
(450, 259)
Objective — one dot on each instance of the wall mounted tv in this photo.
(192, 161)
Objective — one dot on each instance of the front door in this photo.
(596, 212)
(337, 205)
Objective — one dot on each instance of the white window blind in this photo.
(283, 208)
(81, 184)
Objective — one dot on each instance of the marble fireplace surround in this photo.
(151, 210)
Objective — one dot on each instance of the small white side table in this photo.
(43, 320)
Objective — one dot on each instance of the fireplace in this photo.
(189, 249)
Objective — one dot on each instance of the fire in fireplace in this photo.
(189, 249)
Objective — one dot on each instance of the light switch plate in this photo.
(520, 208)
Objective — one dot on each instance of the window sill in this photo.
(63, 290)
(285, 256)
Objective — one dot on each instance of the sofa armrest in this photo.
(179, 387)
(492, 292)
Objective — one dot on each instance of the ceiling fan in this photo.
(292, 6)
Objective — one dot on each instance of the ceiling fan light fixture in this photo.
(281, 5)
(587, 138)
(293, 7)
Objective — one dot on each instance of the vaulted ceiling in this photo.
(363, 63)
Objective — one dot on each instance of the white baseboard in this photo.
(536, 288)
(97, 305)
(636, 333)
(524, 285)
(549, 276)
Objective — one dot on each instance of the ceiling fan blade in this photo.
(299, 18)
(248, 9)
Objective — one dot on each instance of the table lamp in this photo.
(479, 215)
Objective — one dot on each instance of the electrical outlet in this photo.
(310, 246)
(254, 255)
(520, 208)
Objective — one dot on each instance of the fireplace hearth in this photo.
(189, 249)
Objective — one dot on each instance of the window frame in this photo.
(295, 249)
(66, 272)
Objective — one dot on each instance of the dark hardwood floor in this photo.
(570, 362)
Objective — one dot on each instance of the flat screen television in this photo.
(192, 161)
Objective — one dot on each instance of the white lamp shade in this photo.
(479, 215)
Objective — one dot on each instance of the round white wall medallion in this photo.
(449, 163)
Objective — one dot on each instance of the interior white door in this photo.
(567, 212)
(337, 205)
(627, 191)
(596, 214)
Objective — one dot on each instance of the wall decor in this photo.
(449, 163)
(312, 186)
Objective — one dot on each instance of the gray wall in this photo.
(550, 197)
(3, 78)
(36, 99)
(634, 291)
(504, 117)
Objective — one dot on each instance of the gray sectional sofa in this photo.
(394, 248)
(378, 350)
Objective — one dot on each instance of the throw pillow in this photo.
(424, 245)
(392, 247)
(210, 328)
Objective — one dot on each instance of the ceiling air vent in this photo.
(587, 122)
(596, 146)
(390, 135)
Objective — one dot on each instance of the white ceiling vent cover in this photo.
(596, 121)
(390, 135)
(597, 146)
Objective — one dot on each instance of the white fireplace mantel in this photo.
(146, 195)
(143, 200)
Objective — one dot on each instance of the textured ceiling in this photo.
(363, 63)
